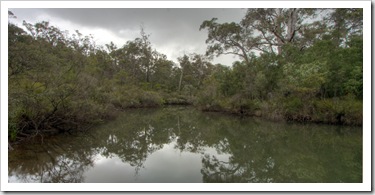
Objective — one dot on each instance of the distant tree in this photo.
(194, 69)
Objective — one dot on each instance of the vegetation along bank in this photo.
(296, 64)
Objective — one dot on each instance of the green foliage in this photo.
(243, 106)
(293, 105)
(341, 111)
(304, 78)
(65, 82)
(177, 99)
(194, 69)
(230, 80)
(209, 98)
(226, 38)
(14, 117)
(151, 99)
(126, 97)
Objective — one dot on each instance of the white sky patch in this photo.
(227, 60)
(101, 36)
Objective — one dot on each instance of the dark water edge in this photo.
(181, 144)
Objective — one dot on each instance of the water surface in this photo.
(181, 144)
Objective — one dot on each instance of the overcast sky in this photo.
(173, 31)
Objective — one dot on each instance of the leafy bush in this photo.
(135, 98)
(353, 112)
(177, 99)
(326, 110)
(292, 105)
(241, 105)
(150, 99)
(342, 111)
(296, 109)
(13, 122)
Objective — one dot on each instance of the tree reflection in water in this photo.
(258, 151)
(270, 152)
(50, 162)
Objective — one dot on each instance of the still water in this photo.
(181, 144)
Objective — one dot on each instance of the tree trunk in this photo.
(292, 21)
(277, 31)
(179, 85)
(147, 74)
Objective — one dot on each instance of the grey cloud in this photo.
(177, 26)
(116, 18)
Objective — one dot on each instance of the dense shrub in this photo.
(339, 111)
(150, 99)
(177, 99)
(244, 106)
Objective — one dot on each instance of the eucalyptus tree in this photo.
(261, 30)
(275, 27)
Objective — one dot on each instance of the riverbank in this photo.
(327, 111)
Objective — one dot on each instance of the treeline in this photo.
(61, 83)
(296, 64)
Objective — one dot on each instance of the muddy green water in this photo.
(181, 144)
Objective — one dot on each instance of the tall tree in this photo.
(261, 30)
(277, 27)
(138, 58)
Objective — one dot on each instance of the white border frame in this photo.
(365, 186)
